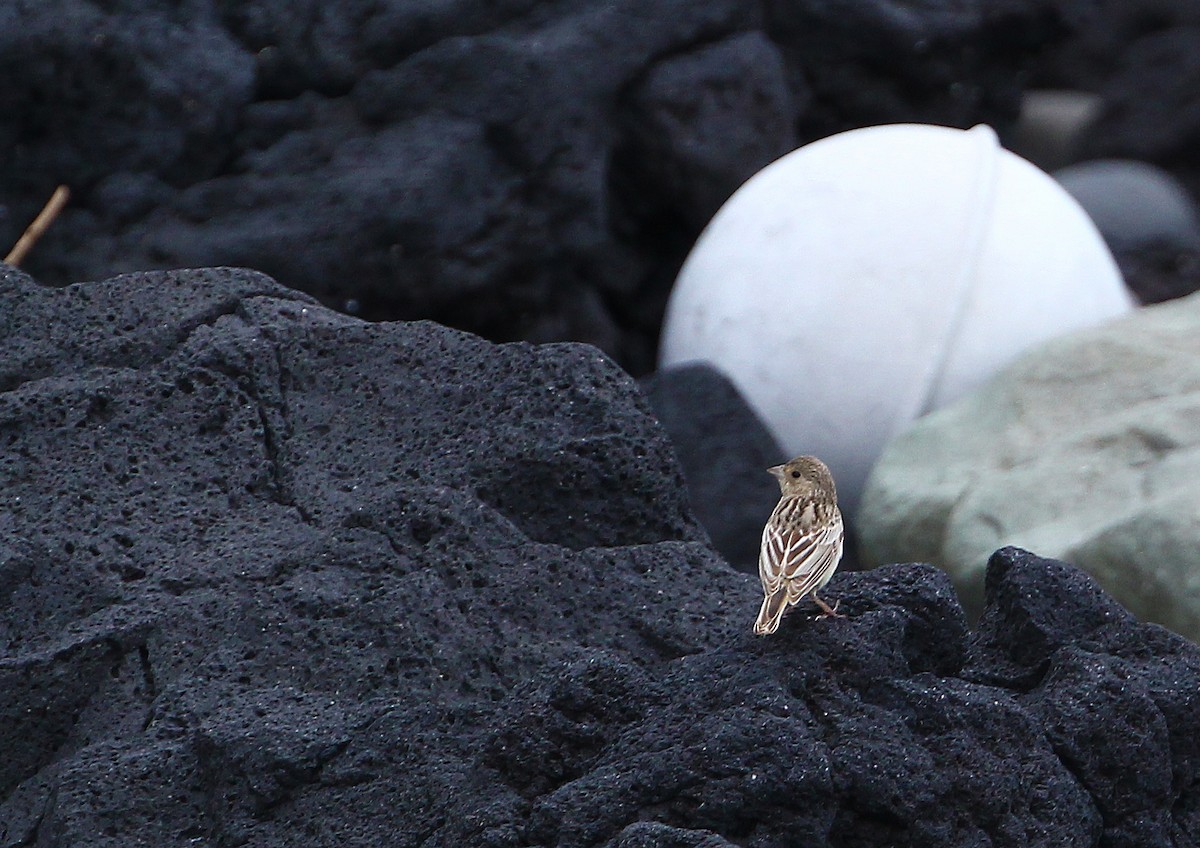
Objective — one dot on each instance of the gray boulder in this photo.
(1087, 449)
(1134, 204)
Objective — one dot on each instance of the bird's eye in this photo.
(795, 475)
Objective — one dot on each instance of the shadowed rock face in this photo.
(525, 170)
(271, 576)
(724, 450)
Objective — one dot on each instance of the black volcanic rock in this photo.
(1151, 109)
(1141, 59)
(1103, 31)
(242, 530)
(1032, 608)
(851, 732)
(1160, 271)
(864, 60)
(523, 170)
(724, 449)
(654, 835)
(1104, 688)
(270, 575)
(695, 126)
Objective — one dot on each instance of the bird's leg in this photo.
(827, 610)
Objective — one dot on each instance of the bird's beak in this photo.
(776, 470)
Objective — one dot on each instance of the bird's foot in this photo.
(828, 611)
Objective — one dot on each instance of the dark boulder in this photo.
(270, 575)
(724, 449)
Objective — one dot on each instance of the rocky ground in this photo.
(270, 575)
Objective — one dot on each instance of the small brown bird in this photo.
(802, 542)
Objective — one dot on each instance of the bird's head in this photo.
(805, 476)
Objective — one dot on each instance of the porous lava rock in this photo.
(270, 575)
(525, 170)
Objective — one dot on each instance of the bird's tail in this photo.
(773, 607)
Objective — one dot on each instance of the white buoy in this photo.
(870, 277)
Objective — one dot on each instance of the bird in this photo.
(802, 542)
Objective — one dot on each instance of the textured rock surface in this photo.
(272, 576)
(525, 170)
(1103, 689)
(724, 449)
(1088, 448)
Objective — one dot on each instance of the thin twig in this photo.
(40, 224)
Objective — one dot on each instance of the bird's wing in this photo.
(800, 556)
(770, 558)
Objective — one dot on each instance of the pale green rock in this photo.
(1086, 449)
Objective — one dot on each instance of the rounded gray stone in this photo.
(1134, 204)
(1087, 449)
